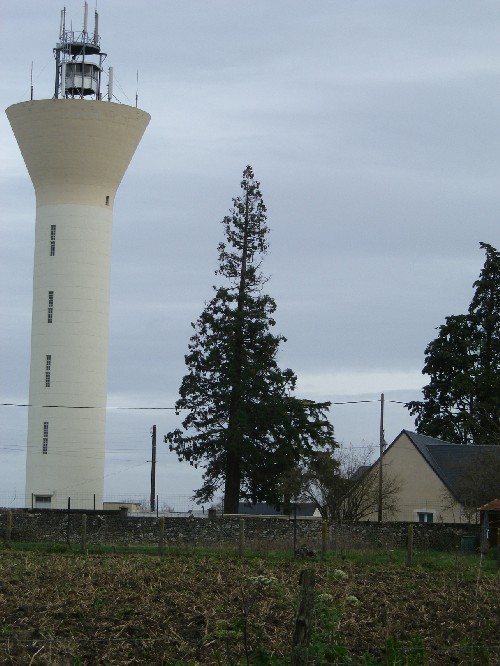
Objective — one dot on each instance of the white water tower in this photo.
(76, 147)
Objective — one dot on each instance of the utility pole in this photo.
(382, 442)
(153, 469)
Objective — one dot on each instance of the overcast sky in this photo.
(373, 127)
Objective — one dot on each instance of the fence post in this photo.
(295, 529)
(8, 529)
(409, 553)
(324, 537)
(69, 511)
(241, 539)
(498, 547)
(161, 536)
(304, 619)
(84, 533)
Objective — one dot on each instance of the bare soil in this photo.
(181, 609)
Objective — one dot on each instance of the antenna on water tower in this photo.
(110, 85)
(79, 60)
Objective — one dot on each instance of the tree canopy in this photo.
(461, 402)
(243, 426)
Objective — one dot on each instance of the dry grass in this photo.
(201, 609)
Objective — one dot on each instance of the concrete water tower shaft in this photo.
(76, 147)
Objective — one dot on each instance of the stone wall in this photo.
(260, 533)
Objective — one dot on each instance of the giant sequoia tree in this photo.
(462, 399)
(243, 425)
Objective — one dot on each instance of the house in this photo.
(439, 481)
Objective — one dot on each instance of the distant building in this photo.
(306, 510)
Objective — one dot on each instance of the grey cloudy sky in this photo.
(373, 127)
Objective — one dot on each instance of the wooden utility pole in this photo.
(153, 469)
(380, 473)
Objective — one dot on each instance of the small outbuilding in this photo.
(490, 523)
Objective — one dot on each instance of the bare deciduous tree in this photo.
(344, 485)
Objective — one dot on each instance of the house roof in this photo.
(447, 459)
(494, 505)
(263, 509)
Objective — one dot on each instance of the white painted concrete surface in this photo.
(76, 152)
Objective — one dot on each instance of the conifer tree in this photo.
(243, 425)
(462, 399)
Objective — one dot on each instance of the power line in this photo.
(176, 409)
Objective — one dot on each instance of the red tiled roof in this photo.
(494, 505)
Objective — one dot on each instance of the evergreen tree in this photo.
(243, 426)
(462, 400)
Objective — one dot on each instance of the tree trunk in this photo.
(232, 484)
(233, 466)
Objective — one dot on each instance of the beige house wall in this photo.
(421, 488)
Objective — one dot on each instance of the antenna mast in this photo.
(79, 60)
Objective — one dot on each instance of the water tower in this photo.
(77, 147)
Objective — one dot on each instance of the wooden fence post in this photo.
(303, 619)
(161, 536)
(324, 538)
(498, 547)
(83, 544)
(241, 539)
(409, 553)
(8, 529)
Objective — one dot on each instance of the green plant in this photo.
(396, 653)
(327, 645)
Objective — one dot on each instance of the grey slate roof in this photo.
(446, 459)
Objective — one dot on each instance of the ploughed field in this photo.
(200, 608)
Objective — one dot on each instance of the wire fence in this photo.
(423, 510)
(137, 505)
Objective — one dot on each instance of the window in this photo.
(45, 441)
(51, 307)
(48, 363)
(43, 501)
(52, 240)
(425, 517)
(107, 200)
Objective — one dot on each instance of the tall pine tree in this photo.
(243, 425)
(462, 399)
